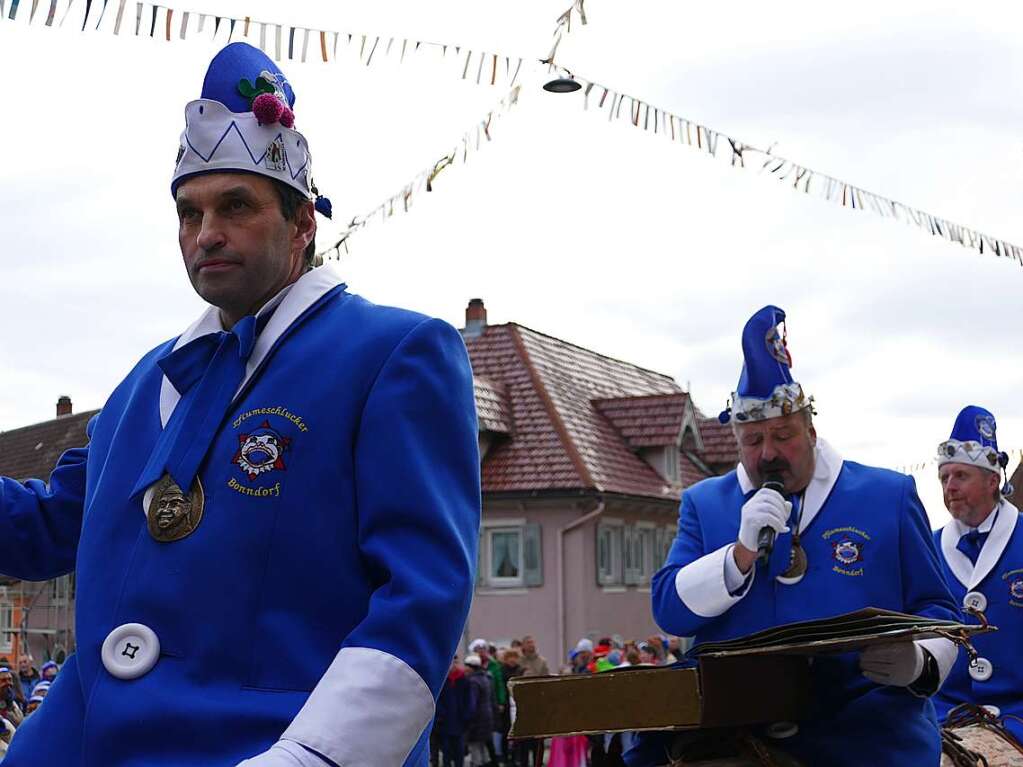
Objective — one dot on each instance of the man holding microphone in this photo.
(845, 536)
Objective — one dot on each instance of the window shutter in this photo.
(633, 569)
(481, 576)
(532, 554)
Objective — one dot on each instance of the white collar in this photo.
(1001, 528)
(827, 467)
(290, 303)
(983, 527)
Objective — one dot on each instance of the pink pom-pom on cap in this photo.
(288, 118)
(267, 108)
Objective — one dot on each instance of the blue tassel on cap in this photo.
(323, 206)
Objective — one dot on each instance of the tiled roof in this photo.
(719, 445)
(570, 414)
(492, 407)
(649, 421)
(31, 452)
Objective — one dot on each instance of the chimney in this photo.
(475, 318)
(63, 406)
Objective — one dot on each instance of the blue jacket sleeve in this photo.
(40, 522)
(418, 495)
(670, 612)
(924, 590)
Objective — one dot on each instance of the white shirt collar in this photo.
(290, 303)
(983, 527)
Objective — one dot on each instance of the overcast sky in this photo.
(594, 232)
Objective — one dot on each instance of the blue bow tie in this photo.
(206, 373)
(971, 543)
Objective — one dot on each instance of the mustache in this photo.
(776, 466)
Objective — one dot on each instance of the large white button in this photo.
(781, 730)
(975, 600)
(130, 650)
(993, 710)
(981, 670)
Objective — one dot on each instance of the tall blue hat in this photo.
(244, 121)
(766, 388)
(974, 442)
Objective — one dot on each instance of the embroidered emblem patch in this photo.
(1016, 588)
(1014, 580)
(274, 159)
(847, 552)
(847, 545)
(261, 451)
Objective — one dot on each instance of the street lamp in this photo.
(562, 85)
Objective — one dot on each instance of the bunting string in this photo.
(563, 26)
(279, 41)
(681, 130)
(491, 68)
(470, 142)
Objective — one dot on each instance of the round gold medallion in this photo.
(798, 564)
(172, 513)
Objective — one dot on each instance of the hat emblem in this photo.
(275, 155)
(776, 346)
(986, 426)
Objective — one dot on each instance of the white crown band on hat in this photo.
(969, 452)
(785, 399)
(217, 139)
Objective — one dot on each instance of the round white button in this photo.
(975, 600)
(130, 650)
(993, 710)
(981, 670)
(781, 730)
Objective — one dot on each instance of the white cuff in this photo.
(368, 710)
(734, 579)
(944, 652)
(284, 753)
(703, 585)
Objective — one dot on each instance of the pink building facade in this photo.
(583, 461)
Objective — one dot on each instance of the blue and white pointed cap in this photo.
(974, 442)
(766, 388)
(244, 122)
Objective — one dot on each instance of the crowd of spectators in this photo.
(474, 711)
(21, 694)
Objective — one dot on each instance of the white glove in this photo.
(766, 508)
(285, 753)
(898, 663)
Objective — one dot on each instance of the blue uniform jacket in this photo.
(868, 543)
(337, 581)
(998, 576)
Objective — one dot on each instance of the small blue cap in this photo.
(237, 62)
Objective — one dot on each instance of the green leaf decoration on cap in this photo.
(250, 91)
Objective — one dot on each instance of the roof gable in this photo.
(579, 417)
(31, 452)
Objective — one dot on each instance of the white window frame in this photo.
(7, 629)
(503, 526)
(672, 456)
(614, 575)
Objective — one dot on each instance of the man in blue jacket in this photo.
(296, 475)
(848, 536)
(982, 556)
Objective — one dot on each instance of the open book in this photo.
(709, 688)
(841, 633)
